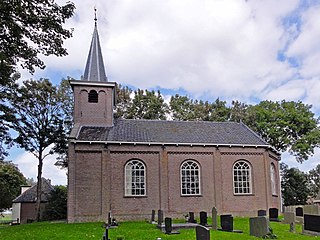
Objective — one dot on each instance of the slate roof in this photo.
(183, 132)
(30, 195)
(94, 70)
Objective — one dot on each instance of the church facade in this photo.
(131, 167)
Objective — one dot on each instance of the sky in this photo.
(207, 49)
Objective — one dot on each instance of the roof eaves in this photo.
(173, 143)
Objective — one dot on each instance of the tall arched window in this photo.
(273, 179)
(242, 178)
(190, 178)
(93, 96)
(135, 178)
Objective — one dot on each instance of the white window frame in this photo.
(190, 178)
(135, 178)
(273, 179)
(242, 178)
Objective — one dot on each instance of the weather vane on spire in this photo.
(95, 16)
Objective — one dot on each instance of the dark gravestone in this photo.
(160, 217)
(259, 226)
(274, 214)
(153, 215)
(202, 233)
(168, 226)
(214, 218)
(226, 222)
(203, 218)
(299, 212)
(312, 223)
(262, 213)
(191, 217)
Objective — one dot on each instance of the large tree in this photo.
(39, 121)
(287, 126)
(29, 28)
(294, 186)
(11, 180)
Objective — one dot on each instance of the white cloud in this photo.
(306, 166)
(28, 165)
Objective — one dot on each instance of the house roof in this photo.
(30, 195)
(172, 132)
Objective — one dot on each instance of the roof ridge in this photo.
(178, 121)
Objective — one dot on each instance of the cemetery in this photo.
(144, 230)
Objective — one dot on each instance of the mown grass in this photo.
(131, 231)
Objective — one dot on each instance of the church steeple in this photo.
(94, 70)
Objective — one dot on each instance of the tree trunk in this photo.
(39, 187)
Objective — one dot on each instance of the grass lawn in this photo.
(130, 231)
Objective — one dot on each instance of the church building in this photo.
(131, 167)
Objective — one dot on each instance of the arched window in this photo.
(135, 178)
(273, 179)
(93, 96)
(190, 178)
(242, 178)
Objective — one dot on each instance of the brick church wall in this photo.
(97, 185)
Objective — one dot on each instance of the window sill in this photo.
(191, 195)
(243, 194)
(275, 195)
(145, 196)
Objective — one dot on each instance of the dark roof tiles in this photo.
(30, 195)
(158, 131)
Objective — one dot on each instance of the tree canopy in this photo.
(294, 186)
(56, 209)
(11, 180)
(286, 125)
(29, 28)
(314, 181)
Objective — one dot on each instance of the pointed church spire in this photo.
(95, 67)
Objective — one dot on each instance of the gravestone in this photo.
(203, 218)
(214, 218)
(153, 215)
(274, 214)
(160, 218)
(191, 217)
(289, 217)
(202, 233)
(292, 227)
(226, 222)
(259, 226)
(312, 223)
(168, 226)
(262, 213)
(299, 212)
